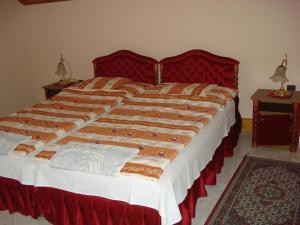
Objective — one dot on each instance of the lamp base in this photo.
(281, 93)
(64, 82)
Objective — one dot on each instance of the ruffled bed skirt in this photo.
(64, 208)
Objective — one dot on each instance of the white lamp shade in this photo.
(280, 74)
(62, 71)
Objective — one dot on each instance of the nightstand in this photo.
(275, 120)
(56, 87)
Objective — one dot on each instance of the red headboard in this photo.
(128, 64)
(198, 66)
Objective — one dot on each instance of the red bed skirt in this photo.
(66, 208)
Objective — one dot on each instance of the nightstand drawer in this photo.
(275, 107)
(274, 129)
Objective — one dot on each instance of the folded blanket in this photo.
(93, 158)
(9, 141)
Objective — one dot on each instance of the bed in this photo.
(67, 206)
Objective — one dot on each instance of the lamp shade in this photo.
(280, 74)
(62, 71)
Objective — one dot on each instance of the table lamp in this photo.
(280, 76)
(62, 72)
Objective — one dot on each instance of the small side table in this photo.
(275, 120)
(56, 87)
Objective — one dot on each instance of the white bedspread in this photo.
(9, 141)
(92, 158)
(163, 195)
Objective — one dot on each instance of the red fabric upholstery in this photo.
(198, 66)
(15, 197)
(66, 208)
(128, 64)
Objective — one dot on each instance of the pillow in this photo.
(178, 88)
(136, 87)
(194, 89)
(221, 92)
(102, 83)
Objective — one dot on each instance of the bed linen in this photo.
(93, 158)
(9, 141)
(50, 120)
(163, 195)
(194, 89)
(159, 125)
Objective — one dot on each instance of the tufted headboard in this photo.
(124, 63)
(198, 66)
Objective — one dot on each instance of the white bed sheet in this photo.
(163, 195)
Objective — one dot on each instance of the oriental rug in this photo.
(261, 192)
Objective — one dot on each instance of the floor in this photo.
(204, 205)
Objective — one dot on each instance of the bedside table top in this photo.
(58, 85)
(263, 96)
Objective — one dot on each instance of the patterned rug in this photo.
(261, 192)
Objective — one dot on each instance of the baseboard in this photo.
(246, 125)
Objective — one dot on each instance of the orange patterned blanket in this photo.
(52, 119)
(159, 125)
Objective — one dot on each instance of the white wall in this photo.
(257, 33)
(16, 90)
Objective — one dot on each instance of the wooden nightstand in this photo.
(56, 87)
(275, 120)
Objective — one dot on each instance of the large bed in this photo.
(66, 197)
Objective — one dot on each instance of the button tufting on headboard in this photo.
(200, 66)
(128, 64)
